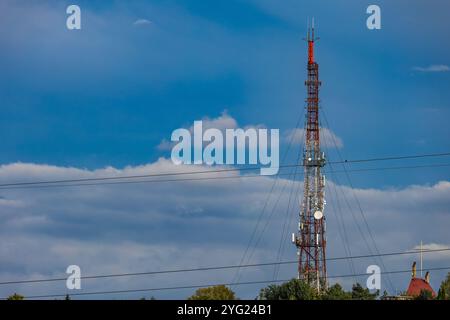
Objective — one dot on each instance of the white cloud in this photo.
(222, 122)
(431, 246)
(142, 22)
(433, 68)
(5, 203)
(444, 255)
(143, 226)
(165, 145)
(327, 137)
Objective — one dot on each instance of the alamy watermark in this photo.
(373, 22)
(373, 282)
(233, 147)
(73, 21)
(73, 281)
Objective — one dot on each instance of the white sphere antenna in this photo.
(318, 215)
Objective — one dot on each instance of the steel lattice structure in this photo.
(311, 240)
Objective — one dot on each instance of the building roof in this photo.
(416, 285)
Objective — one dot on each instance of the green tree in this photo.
(15, 296)
(444, 289)
(384, 295)
(213, 293)
(336, 292)
(293, 290)
(300, 290)
(424, 295)
(360, 293)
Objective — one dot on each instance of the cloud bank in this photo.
(159, 226)
(433, 68)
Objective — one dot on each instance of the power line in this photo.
(289, 215)
(359, 204)
(340, 220)
(44, 186)
(266, 202)
(205, 285)
(12, 184)
(336, 210)
(216, 267)
(346, 201)
(397, 157)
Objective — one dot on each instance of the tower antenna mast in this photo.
(310, 238)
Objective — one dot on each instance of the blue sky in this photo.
(107, 95)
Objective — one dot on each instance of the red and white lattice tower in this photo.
(310, 239)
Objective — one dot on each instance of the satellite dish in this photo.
(318, 215)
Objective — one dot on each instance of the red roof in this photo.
(416, 285)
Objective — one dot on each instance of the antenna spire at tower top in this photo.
(310, 40)
(310, 28)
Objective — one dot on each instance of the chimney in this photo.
(413, 273)
(427, 277)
